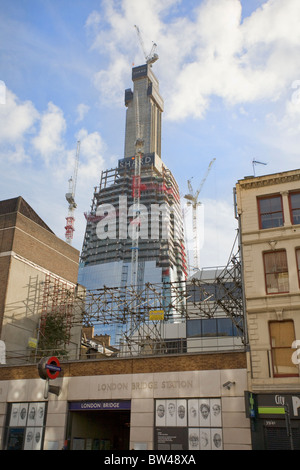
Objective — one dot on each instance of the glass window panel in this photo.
(295, 200)
(225, 327)
(193, 328)
(283, 282)
(276, 272)
(296, 216)
(282, 335)
(209, 327)
(283, 364)
(270, 210)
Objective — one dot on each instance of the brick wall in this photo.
(135, 366)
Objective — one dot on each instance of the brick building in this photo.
(33, 262)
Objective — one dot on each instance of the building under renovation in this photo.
(134, 232)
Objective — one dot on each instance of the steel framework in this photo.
(140, 311)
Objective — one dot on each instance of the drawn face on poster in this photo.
(171, 413)
(194, 439)
(193, 412)
(18, 415)
(161, 413)
(40, 413)
(32, 414)
(205, 439)
(216, 439)
(215, 408)
(29, 439)
(204, 412)
(181, 413)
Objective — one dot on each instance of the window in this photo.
(298, 262)
(295, 208)
(270, 212)
(282, 335)
(276, 272)
(212, 327)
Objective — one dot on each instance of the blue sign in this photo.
(113, 405)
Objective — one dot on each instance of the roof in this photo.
(18, 204)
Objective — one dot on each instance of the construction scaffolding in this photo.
(58, 299)
(143, 314)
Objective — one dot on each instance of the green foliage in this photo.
(55, 335)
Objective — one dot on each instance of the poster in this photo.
(191, 424)
(26, 425)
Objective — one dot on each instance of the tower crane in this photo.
(136, 194)
(192, 198)
(152, 56)
(70, 197)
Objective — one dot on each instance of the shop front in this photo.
(275, 420)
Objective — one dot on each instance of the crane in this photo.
(136, 193)
(192, 198)
(152, 56)
(70, 197)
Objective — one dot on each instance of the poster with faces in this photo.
(30, 417)
(204, 412)
(194, 439)
(181, 413)
(215, 413)
(171, 416)
(36, 413)
(160, 413)
(205, 439)
(33, 439)
(18, 415)
(216, 439)
(193, 413)
(202, 417)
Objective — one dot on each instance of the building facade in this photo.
(38, 274)
(190, 402)
(126, 199)
(268, 210)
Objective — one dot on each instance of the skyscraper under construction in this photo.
(134, 231)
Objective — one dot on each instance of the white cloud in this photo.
(18, 120)
(92, 151)
(212, 52)
(49, 142)
(82, 110)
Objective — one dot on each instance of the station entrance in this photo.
(98, 425)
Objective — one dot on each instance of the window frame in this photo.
(277, 348)
(297, 250)
(269, 196)
(275, 272)
(290, 207)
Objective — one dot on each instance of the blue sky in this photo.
(229, 73)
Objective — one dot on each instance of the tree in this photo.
(55, 335)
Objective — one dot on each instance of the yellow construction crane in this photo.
(192, 198)
(152, 56)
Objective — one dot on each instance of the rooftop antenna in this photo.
(70, 197)
(255, 162)
(152, 56)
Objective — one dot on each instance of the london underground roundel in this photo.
(53, 367)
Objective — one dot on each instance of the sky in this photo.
(228, 71)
